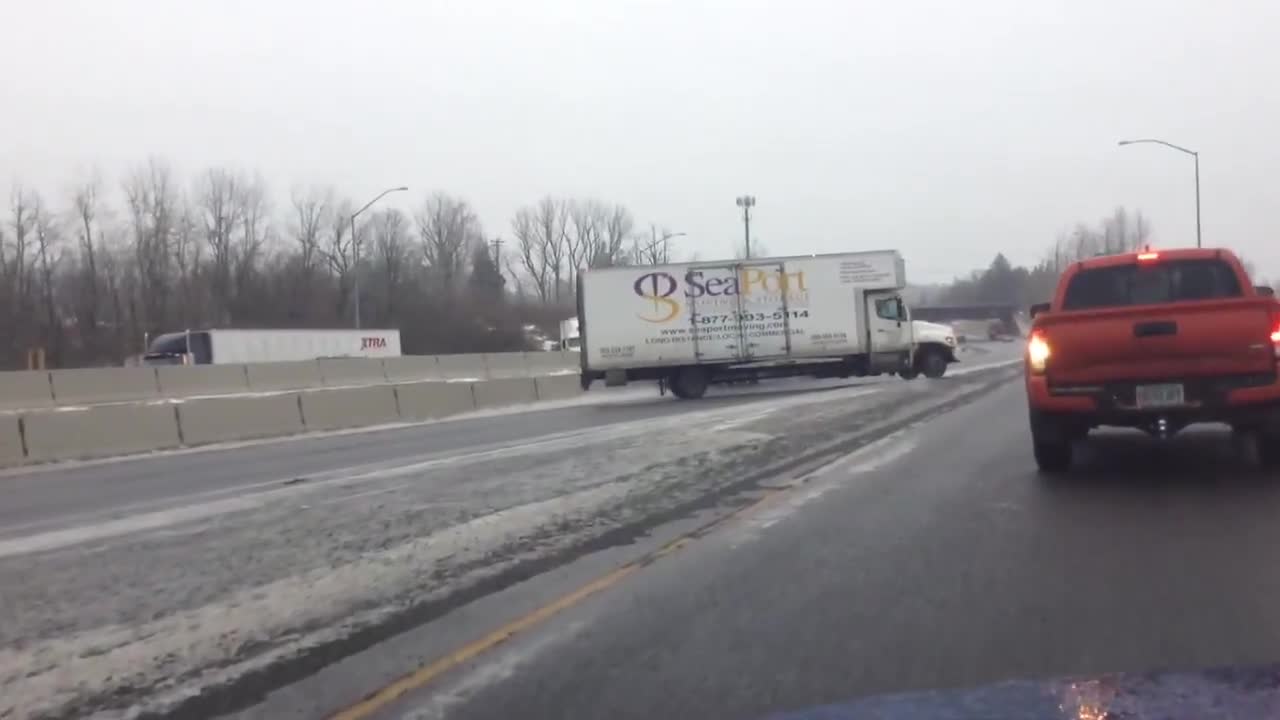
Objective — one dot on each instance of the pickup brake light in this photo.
(1148, 256)
(1038, 352)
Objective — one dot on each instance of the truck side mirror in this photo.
(1039, 308)
(902, 311)
(1265, 291)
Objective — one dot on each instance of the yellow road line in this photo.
(424, 675)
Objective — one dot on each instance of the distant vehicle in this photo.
(1156, 341)
(569, 339)
(695, 324)
(235, 347)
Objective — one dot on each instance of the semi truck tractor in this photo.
(692, 325)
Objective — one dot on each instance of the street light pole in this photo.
(355, 247)
(746, 202)
(1194, 155)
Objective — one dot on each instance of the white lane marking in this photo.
(366, 493)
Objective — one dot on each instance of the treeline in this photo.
(87, 280)
(1003, 283)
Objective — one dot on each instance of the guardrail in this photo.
(36, 389)
(89, 431)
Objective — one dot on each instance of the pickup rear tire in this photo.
(1051, 445)
(1269, 450)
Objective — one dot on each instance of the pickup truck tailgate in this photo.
(1183, 340)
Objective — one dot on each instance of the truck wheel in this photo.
(690, 383)
(1050, 445)
(933, 364)
(1269, 450)
(909, 374)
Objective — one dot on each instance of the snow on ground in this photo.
(139, 610)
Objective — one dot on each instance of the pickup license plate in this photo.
(1155, 396)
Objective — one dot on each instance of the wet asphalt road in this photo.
(939, 560)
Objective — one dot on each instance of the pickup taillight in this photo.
(1038, 352)
(1275, 337)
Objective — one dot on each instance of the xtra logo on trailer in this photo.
(373, 343)
(660, 290)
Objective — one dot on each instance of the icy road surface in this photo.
(185, 583)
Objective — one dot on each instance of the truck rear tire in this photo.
(690, 383)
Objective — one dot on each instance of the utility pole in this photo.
(496, 243)
(746, 202)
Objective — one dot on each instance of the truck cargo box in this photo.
(737, 311)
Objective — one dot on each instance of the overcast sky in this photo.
(949, 130)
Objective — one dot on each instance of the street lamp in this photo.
(746, 202)
(655, 242)
(1193, 154)
(355, 246)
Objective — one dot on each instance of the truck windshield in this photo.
(1160, 282)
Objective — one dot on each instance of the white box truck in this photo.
(237, 347)
(695, 324)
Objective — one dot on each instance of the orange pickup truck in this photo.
(1156, 341)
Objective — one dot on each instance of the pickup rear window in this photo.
(1150, 284)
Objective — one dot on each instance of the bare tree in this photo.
(339, 252)
(151, 198)
(655, 249)
(15, 269)
(585, 234)
(218, 197)
(85, 202)
(447, 229)
(617, 230)
(542, 240)
(391, 251)
(90, 284)
(310, 211)
(48, 237)
(255, 233)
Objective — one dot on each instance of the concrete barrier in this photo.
(351, 371)
(188, 380)
(211, 420)
(101, 430)
(429, 400)
(24, 389)
(506, 365)
(462, 367)
(557, 387)
(298, 375)
(411, 368)
(86, 386)
(349, 407)
(501, 392)
(548, 363)
(11, 441)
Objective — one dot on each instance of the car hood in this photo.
(1235, 692)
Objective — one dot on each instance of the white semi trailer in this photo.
(220, 347)
(695, 324)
